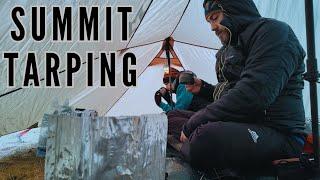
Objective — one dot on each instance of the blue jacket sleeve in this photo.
(165, 107)
(184, 99)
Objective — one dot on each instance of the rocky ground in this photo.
(22, 166)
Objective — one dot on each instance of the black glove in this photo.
(163, 91)
(166, 97)
(165, 94)
(175, 84)
(157, 98)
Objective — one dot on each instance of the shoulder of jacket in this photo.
(269, 24)
(261, 28)
(182, 90)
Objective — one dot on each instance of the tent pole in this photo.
(312, 76)
(167, 49)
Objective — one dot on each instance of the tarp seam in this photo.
(196, 45)
(139, 45)
(139, 24)
(180, 18)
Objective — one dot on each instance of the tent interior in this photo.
(151, 22)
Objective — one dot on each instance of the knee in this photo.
(174, 113)
(204, 144)
(211, 132)
(175, 122)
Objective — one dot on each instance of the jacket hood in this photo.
(238, 15)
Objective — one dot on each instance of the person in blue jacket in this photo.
(183, 97)
(185, 100)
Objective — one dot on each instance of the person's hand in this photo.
(157, 98)
(163, 91)
(183, 138)
(167, 97)
(194, 88)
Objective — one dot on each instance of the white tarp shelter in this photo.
(151, 22)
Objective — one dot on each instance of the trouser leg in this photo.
(176, 120)
(230, 144)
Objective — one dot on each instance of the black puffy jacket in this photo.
(269, 91)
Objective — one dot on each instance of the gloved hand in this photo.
(165, 94)
(163, 91)
(166, 97)
(157, 97)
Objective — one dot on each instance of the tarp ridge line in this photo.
(139, 45)
(196, 45)
(138, 25)
(185, 9)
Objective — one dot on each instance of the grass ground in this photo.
(22, 166)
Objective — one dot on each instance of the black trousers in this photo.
(232, 144)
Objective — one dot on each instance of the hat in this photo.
(173, 74)
(187, 77)
(211, 6)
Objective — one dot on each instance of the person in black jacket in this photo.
(203, 92)
(261, 117)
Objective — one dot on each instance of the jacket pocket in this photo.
(233, 63)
